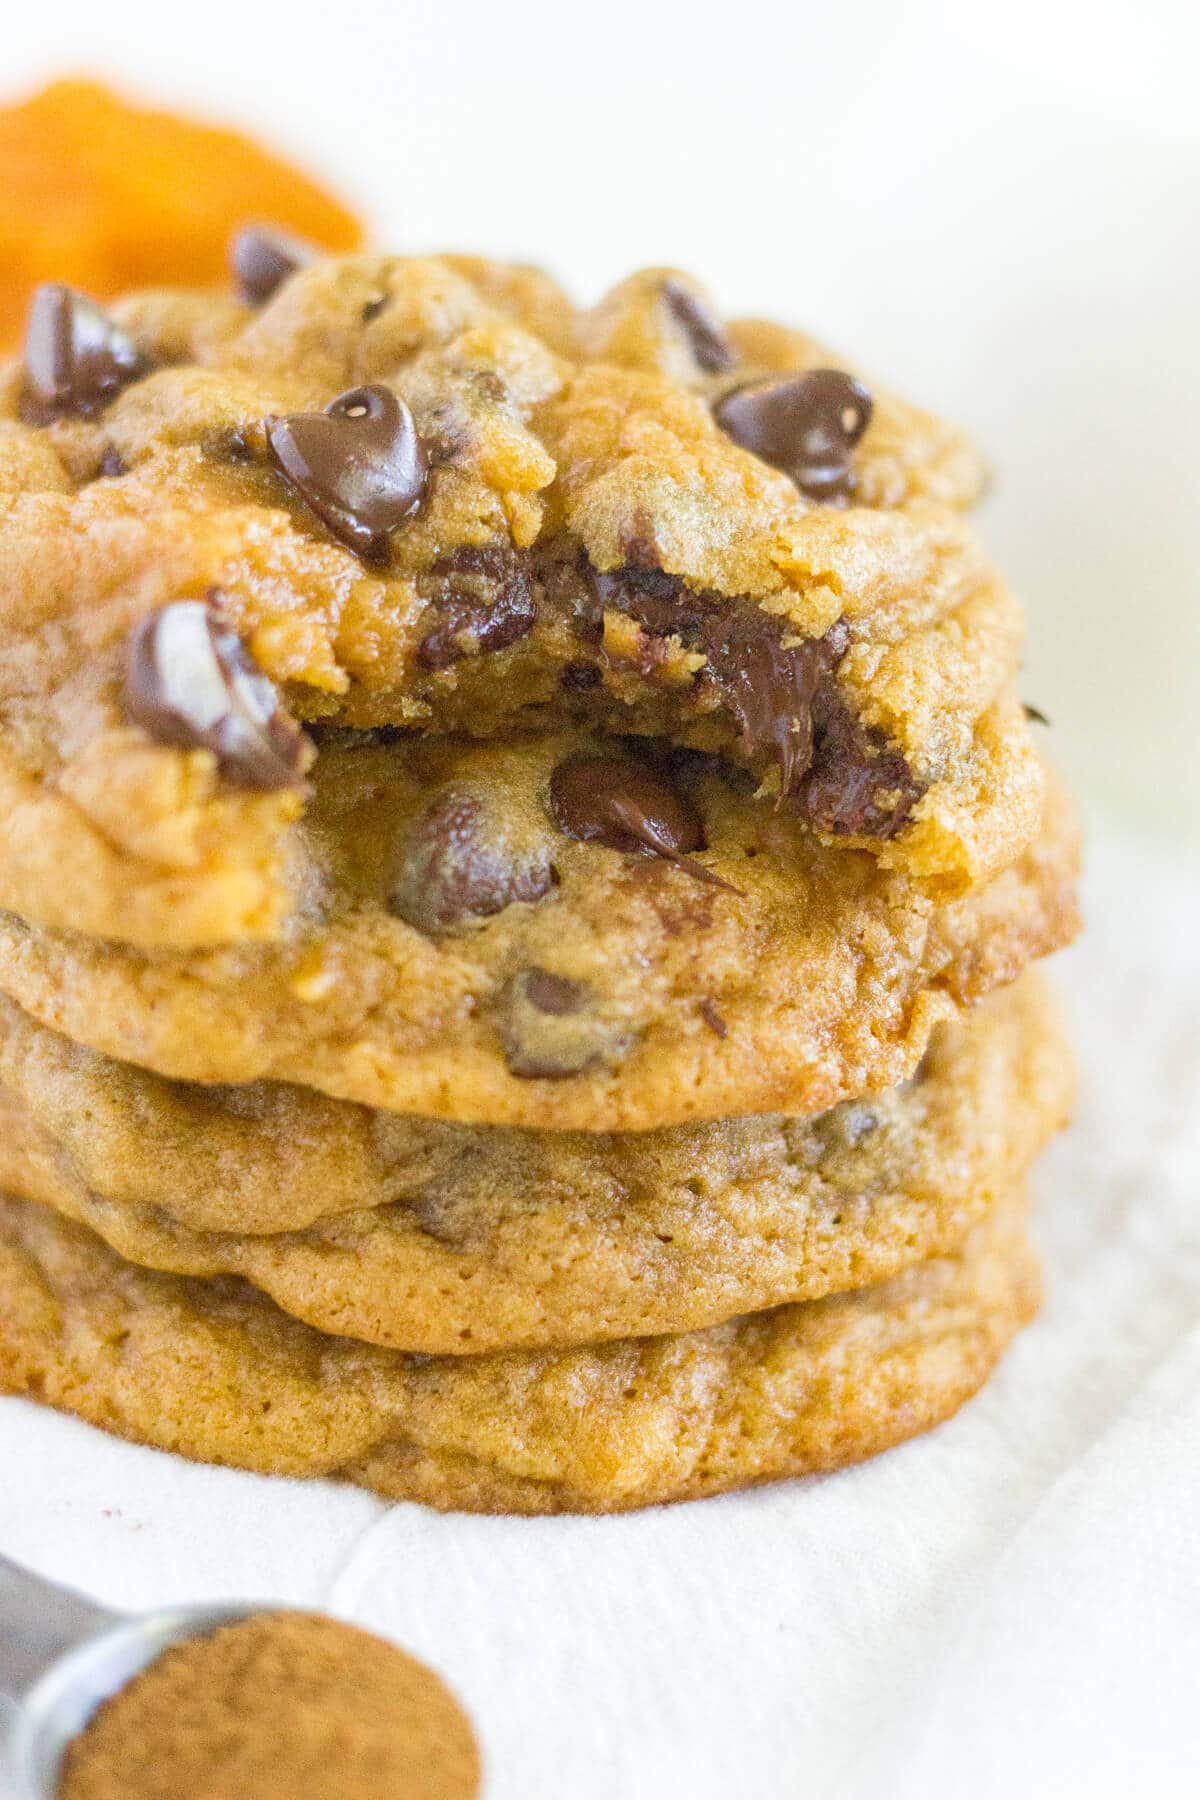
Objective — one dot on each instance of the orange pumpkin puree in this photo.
(107, 196)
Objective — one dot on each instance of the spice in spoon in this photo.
(282, 1706)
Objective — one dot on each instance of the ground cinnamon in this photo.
(283, 1706)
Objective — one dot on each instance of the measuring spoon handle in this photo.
(39, 1622)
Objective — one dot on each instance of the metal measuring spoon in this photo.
(61, 1657)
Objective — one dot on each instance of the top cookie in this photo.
(430, 494)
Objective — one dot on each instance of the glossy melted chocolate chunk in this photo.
(806, 425)
(190, 681)
(77, 359)
(843, 777)
(626, 806)
(770, 689)
(359, 465)
(262, 259)
(858, 786)
(456, 868)
(709, 346)
(482, 602)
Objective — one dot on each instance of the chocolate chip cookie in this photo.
(215, 1372)
(430, 496)
(467, 1240)
(563, 931)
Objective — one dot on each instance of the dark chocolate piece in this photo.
(77, 359)
(482, 602)
(785, 700)
(769, 690)
(626, 806)
(262, 258)
(455, 870)
(709, 346)
(359, 465)
(552, 1028)
(858, 786)
(553, 995)
(190, 681)
(1036, 714)
(806, 425)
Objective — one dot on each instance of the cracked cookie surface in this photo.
(430, 494)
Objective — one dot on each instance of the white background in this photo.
(993, 206)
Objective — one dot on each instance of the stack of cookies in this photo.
(519, 848)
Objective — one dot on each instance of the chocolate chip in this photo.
(626, 806)
(456, 868)
(577, 678)
(262, 259)
(553, 995)
(783, 697)
(859, 786)
(1036, 714)
(552, 1028)
(707, 342)
(76, 358)
(359, 465)
(112, 463)
(769, 690)
(372, 308)
(189, 680)
(482, 602)
(807, 425)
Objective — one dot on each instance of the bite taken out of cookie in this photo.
(431, 495)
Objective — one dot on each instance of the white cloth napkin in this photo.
(1007, 1607)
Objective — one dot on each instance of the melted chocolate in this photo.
(77, 359)
(359, 465)
(190, 681)
(858, 786)
(482, 602)
(769, 690)
(626, 806)
(806, 425)
(785, 700)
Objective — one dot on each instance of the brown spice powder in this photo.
(284, 1706)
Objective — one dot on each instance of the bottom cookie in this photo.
(215, 1372)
